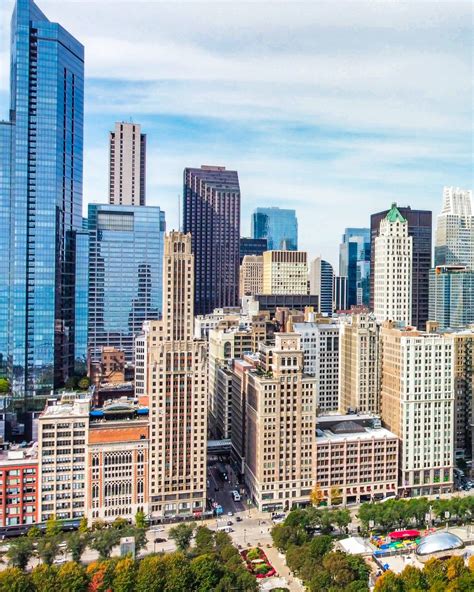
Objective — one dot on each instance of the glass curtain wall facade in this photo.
(46, 111)
(354, 263)
(125, 274)
(6, 131)
(278, 226)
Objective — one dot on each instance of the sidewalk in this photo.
(279, 564)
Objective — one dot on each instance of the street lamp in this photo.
(245, 536)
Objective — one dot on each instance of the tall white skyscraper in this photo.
(127, 165)
(455, 229)
(393, 269)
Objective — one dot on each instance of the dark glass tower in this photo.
(420, 228)
(46, 116)
(125, 274)
(211, 213)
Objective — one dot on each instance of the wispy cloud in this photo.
(334, 107)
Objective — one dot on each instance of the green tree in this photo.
(336, 564)
(13, 579)
(84, 383)
(435, 573)
(335, 495)
(204, 540)
(178, 573)
(71, 383)
(4, 386)
(83, 526)
(53, 526)
(20, 552)
(104, 540)
(76, 544)
(140, 519)
(72, 578)
(389, 582)
(124, 575)
(48, 549)
(34, 532)
(120, 523)
(412, 579)
(342, 519)
(44, 578)
(151, 574)
(182, 535)
(206, 573)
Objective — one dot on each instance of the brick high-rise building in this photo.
(211, 213)
(177, 388)
(127, 165)
(251, 275)
(420, 228)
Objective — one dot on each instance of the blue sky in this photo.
(333, 108)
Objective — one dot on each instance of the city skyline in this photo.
(353, 135)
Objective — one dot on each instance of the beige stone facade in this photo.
(285, 272)
(280, 450)
(359, 358)
(417, 404)
(177, 385)
(251, 275)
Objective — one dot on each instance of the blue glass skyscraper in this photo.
(354, 263)
(278, 226)
(125, 274)
(45, 200)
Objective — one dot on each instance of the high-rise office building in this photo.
(320, 344)
(455, 229)
(177, 387)
(252, 246)
(211, 213)
(251, 275)
(278, 226)
(417, 402)
(359, 371)
(420, 229)
(280, 440)
(321, 284)
(125, 274)
(41, 153)
(127, 165)
(285, 272)
(452, 296)
(354, 263)
(393, 269)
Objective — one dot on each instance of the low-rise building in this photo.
(117, 462)
(356, 458)
(19, 486)
(62, 438)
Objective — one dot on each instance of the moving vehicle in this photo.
(225, 529)
(235, 495)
